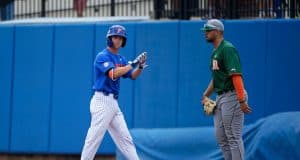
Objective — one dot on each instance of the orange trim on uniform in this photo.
(238, 86)
(111, 74)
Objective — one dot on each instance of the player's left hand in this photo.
(209, 105)
(140, 59)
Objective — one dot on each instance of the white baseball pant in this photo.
(106, 115)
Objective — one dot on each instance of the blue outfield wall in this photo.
(47, 74)
(31, 89)
(193, 74)
(156, 90)
(71, 86)
(282, 70)
(6, 72)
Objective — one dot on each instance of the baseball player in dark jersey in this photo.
(231, 98)
(109, 67)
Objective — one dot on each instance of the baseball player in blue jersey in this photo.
(109, 67)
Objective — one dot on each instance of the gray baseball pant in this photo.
(229, 122)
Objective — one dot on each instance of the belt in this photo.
(116, 96)
(224, 91)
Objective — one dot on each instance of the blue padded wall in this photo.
(282, 66)
(250, 39)
(72, 73)
(47, 76)
(31, 92)
(156, 91)
(194, 75)
(6, 72)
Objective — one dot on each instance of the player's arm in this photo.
(139, 70)
(209, 90)
(139, 64)
(115, 73)
(233, 66)
(112, 71)
(136, 73)
(239, 87)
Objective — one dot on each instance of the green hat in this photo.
(213, 24)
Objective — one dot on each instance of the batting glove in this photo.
(140, 59)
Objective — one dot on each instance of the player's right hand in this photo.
(140, 59)
(245, 108)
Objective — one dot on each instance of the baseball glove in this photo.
(209, 106)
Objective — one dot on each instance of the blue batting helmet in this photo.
(116, 30)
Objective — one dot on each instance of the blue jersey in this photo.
(105, 61)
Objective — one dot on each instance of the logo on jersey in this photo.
(105, 64)
(233, 70)
(215, 65)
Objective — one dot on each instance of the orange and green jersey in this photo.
(225, 62)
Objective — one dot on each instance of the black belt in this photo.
(116, 96)
(224, 91)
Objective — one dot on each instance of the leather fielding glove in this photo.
(209, 106)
